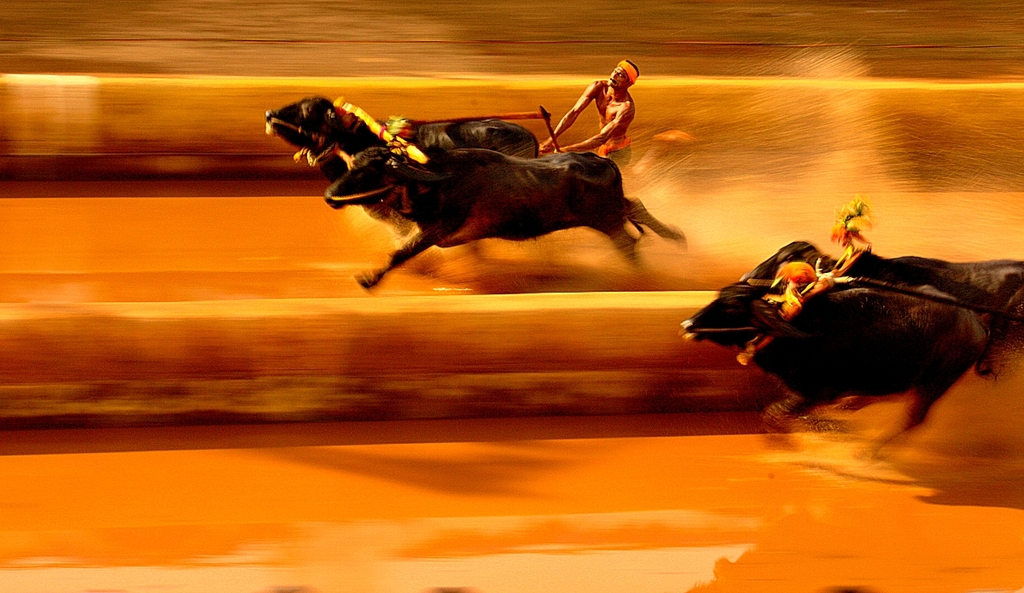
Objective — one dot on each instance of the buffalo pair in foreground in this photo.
(871, 342)
(329, 137)
(994, 289)
(465, 195)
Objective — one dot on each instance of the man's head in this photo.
(624, 75)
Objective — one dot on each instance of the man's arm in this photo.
(570, 117)
(620, 122)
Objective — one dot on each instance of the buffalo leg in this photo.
(638, 214)
(914, 415)
(625, 243)
(796, 413)
(779, 415)
(923, 398)
(418, 244)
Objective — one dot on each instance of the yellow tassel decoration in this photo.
(397, 143)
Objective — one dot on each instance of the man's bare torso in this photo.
(608, 107)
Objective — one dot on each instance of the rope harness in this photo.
(313, 158)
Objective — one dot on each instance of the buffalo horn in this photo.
(765, 314)
(406, 171)
(366, 197)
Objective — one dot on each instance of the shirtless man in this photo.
(614, 107)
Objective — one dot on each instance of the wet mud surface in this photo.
(916, 106)
(613, 504)
(685, 502)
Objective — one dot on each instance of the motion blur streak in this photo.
(161, 256)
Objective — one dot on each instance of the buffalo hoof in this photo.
(825, 425)
(368, 280)
(681, 241)
(777, 417)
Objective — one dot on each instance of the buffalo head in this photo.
(799, 251)
(308, 123)
(738, 315)
(375, 172)
(320, 133)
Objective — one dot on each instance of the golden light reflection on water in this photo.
(605, 515)
(768, 163)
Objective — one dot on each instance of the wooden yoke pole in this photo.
(547, 121)
(504, 116)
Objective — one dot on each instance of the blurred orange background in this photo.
(197, 396)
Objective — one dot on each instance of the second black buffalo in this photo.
(848, 342)
(465, 195)
(316, 127)
(983, 286)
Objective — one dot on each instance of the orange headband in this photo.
(631, 70)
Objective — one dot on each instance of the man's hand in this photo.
(546, 147)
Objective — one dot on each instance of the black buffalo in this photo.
(464, 195)
(315, 127)
(329, 140)
(988, 287)
(848, 342)
(990, 284)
